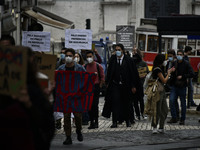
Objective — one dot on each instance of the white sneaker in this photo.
(161, 130)
(155, 131)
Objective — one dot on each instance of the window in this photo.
(141, 42)
(152, 43)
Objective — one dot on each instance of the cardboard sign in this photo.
(74, 91)
(46, 64)
(142, 72)
(13, 69)
(125, 36)
(78, 39)
(37, 41)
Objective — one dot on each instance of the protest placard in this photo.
(46, 64)
(125, 36)
(78, 39)
(37, 41)
(142, 72)
(74, 91)
(13, 69)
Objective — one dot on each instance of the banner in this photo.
(125, 36)
(78, 39)
(74, 91)
(37, 41)
(13, 69)
(46, 64)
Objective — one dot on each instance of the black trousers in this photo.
(94, 112)
(121, 104)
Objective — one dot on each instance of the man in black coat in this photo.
(122, 81)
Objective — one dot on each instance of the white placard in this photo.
(78, 39)
(38, 41)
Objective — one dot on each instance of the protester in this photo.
(143, 71)
(79, 59)
(70, 65)
(178, 83)
(171, 60)
(61, 60)
(161, 105)
(7, 40)
(93, 66)
(27, 120)
(121, 81)
(187, 52)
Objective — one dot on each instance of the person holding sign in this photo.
(93, 66)
(70, 65)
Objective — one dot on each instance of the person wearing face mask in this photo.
(178, 86)
(78, 58)
(143, 71)
(171, 60)
(122, 82)
(70, 65)
(61, 60)
(93, 66)
(161, 105)
(188, 51)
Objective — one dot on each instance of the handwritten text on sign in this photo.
(13, 61)
(38, 41)
(74, 91)
(78, 39)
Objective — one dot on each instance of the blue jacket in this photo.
(77, 67)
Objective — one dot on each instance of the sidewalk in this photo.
(138, 135)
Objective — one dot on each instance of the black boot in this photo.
(128, 124)
(68, 141)
(114, 125)
(92, 125)
(96, 124)
(79, 135)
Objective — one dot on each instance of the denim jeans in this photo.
(174, 94)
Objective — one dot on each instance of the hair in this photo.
(188, 48)
(70, 50)
(89, 52)
(8, 38)
(171, 51)
(35, 27)
(81, 61)
(121, 46)
(180, 50)
(158, 61)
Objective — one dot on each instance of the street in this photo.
(138, 136)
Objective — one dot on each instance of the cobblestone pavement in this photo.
(138, 134)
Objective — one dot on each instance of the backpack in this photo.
(152, 92)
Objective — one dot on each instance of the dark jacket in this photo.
(183, 69)
(130, 79)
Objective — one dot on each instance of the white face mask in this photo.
(90, 60)
(165, 63)
(76, 59)
(68, 59)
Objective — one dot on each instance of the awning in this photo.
(47, 19)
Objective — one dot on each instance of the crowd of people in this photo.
(124, 99)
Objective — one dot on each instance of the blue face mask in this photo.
(118, 53)
(62, 56)
(179, 57)
(170, 58)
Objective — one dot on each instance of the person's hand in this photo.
(101, 84)
(95, 51)
(23, 98)
(179, 77)
(133, 90)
